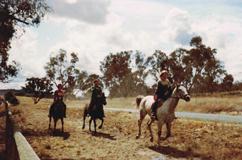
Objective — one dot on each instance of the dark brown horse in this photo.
(9, 97)
(57, 111)
(95, 113)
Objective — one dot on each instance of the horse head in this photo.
(11, 98)
(181, 92)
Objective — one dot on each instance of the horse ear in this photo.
(176, 84)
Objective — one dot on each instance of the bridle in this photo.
(180, 96)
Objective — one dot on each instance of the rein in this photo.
(178, 97)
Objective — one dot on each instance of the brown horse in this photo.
(94, 113)
(165, 113)
(57, 112)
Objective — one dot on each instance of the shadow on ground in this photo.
(59, 133)
(43, 133)
(103, 135)
(174, 152)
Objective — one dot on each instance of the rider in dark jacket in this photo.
(96, 98)
(162, 93)
(58, 98)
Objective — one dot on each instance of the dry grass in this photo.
(204, 140)
(232, 105)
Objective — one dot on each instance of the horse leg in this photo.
(55, 121)
(101, 125)
(90, 122)
(49, 122)
(149, 127)
(95, 125)
(159, 126)
(142, 116)
(84, 118)
(62, 125)
(168, 128)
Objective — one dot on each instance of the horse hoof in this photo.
(151, 139)
(137, 137)
(100, 127)
(167, 137)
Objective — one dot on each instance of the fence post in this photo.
(10, 145)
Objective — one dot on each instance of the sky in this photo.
(95, 28)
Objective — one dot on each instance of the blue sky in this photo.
(94, 28)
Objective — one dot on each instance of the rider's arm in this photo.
(157, 91)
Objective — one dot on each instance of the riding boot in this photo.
(153, 110)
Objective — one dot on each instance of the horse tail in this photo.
(85, 112)
(138, 100)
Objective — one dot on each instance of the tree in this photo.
(85, 82)
(15, 13)
(180, 71)
(227, 83)
(124, 73)
(62, 68)
(38, 88)
(115, 67)
(207, 71)
(156, 62)
(197, 68)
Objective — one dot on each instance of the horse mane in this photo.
(138, 100)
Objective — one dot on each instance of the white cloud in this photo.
(224, 34)
(90, 11)
(25, 51)
(93, 29)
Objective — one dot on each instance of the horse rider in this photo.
(162, 93)
(96, 97)
(58, 98)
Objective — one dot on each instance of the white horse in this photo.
(165, 113)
